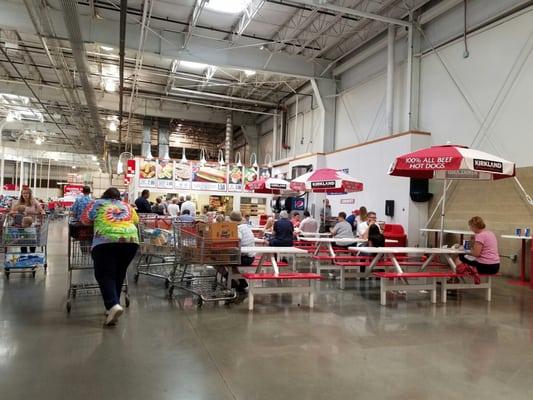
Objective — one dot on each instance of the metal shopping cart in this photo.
(157, 247)
(25, 244)
(80, 264)
(196, 259)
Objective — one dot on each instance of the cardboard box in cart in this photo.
(219, 231)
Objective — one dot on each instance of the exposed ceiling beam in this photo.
(168, 45)
(349, 11)
(193, 19)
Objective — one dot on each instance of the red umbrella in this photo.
(268, 185)
(451, 162)
(326, 180)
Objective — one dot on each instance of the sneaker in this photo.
(114, 314)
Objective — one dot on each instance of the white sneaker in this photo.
(114, 314)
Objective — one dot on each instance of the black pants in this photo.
(24, 250)
(279, 243)
(487, 269)
(111, 261)
(247, 260)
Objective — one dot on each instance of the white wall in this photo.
(496, 52)
(369, 163)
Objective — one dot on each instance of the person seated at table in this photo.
(352, 219)
(247, 239)
(342, 230)
(283, 231)
(269, 225)
(309, 224)
(375, 237)
(484, 255)
(295, 220)
(371, 220)
(186, 216)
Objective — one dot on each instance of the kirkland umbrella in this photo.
(451, 162)
(268, 185)
(326, 180)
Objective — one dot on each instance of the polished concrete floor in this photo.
(348, 347)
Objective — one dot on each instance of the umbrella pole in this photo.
(442, 213)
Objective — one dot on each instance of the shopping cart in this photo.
(195, 264)
(80, 264)
(25, 246)
(157, 247)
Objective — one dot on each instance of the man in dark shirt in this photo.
(142, 203)
(283, 231)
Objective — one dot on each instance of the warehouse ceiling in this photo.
(186, 61)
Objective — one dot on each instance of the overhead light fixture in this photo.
(106, 48)
(183, 158)
(262, 47)
(110, 85)
(73, 167)
(228, 6)
(94, 158)
(193, 65)
(249, 72)
(39, 141)
(112, 126)
(221, 158)
(238, 159)
(203, 161)
(254, 164)
(120, 167)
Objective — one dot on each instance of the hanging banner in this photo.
(265, 172)
(147, 174)
(235, 179)
(209, 177)
(165, 174)
(182, 175)
(250, 175)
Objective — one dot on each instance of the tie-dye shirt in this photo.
(114, 221)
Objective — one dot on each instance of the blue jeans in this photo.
(111, 261)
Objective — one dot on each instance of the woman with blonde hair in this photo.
(26, 199)
(484, 255)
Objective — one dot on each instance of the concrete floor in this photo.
(349, 347)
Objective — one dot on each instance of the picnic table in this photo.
(271, 252)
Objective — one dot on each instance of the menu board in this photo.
(182, 176)
(209, 177)
(250, 174)
(235, 178)
(265, 172)
(165, 174)
(147, 174)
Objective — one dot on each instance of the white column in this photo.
(389, 102)
(275, 137)
(21, 173)
(35, 178)
(48, 182)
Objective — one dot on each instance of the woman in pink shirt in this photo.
(484, 248)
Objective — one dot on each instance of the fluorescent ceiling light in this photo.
(110, 85)
(94, 158)
(39, 141)
(193, 65)
(73, 167)
(228, 6)
(249, 72)
(106, 48)
(112, 126)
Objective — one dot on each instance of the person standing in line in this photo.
(181, 201)
(80, 203)
(283, 231)
(185, 216)
(189, 205)
(174, 208)
(142, 203)
(159, 207)
(309, 224)
(114, 246)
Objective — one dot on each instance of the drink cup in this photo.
(527, 232)
(466, 244)
(518, 232)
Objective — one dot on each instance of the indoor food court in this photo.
(259, 199)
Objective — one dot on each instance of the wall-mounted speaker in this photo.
(419, 190)
(389, 208)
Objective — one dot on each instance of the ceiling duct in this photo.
(163, 137)
(146, 149)
(70, 16)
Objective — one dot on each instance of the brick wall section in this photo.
(500, 203)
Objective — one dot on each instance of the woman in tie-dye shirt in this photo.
(115, 243)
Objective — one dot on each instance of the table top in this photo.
(452, 231)
(313, 233)
(332, 240)
(260, 241)
(273, 249)
(258, 228)
(412, 250)
(516, 237)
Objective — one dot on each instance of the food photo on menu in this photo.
(165, 170)
(147, 170)
(209, 173)
(182, 172)
(250, 174)
(235, 175)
